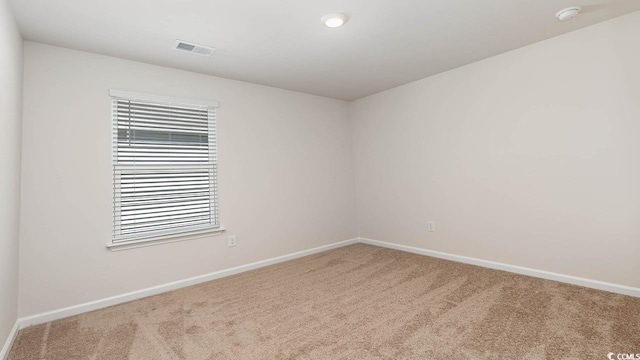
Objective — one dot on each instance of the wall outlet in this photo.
(232, 241)
(431, 226)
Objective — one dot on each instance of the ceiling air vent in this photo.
(193, 48)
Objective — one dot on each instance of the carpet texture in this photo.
(355, 302)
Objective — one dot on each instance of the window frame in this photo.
(166, 236)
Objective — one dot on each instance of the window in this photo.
(164, 168)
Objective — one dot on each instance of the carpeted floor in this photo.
(356, 302)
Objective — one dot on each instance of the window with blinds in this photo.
(164, 169)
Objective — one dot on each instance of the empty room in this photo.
(319, 179)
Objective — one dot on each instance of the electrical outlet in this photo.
(232, 241)
(431, 226)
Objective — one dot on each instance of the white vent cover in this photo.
(193, 48)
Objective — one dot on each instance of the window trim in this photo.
(165, 239)
(172, 100)
(157, 239)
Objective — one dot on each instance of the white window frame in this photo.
(178, 235)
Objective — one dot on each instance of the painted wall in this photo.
(10, 140)
(529, 158)
(285, 177)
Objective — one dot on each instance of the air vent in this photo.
(193, 48)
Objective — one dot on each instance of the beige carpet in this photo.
(356, 302)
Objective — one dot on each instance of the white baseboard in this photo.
(595, 284)
(139, 294)
(4, 353)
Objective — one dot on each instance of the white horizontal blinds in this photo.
(164, 169)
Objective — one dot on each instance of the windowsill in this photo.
(166, 239)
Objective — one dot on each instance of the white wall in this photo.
(529, 158)
(10, 138)
(286, 181)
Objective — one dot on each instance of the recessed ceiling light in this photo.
(568, 13)
(334, 20)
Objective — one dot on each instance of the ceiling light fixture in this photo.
(334, 20)
(568, 13)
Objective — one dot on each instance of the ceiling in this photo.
(282, 43)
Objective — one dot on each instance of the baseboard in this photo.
(139, 294)
(595, 284)
(4, 353)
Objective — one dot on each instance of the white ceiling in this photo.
(282, 43)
